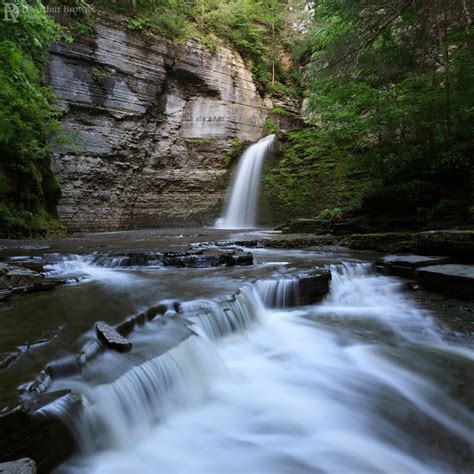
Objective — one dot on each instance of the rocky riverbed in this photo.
(168, 282)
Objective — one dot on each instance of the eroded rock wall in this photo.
(154, 127)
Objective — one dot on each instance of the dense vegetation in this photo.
(28, 189)
(391, 100)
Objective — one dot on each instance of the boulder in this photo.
(20, 466)
(111, 338)
(451, 279)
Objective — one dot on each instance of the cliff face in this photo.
(155, 125)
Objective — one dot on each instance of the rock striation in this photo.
(155, 127)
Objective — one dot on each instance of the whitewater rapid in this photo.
(348, 386)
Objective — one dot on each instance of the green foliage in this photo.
(255, 28)
(282, 90)
(235, 148)
(28, 121)
(138, 24)
(281, 112)
(392, 89)
(312, 175)
(330, 214)
(271, 126)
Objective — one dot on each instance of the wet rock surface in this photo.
(313, 286)
(194, 258)
(20, 466)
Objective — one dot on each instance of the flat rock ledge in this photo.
(111, 338)
(20, 466)
(455, 243)
(451, 279)
(200, 258)
(432, 273)
(407, 265)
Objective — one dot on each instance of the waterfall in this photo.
(278, 293)
(116, 413)
(241, 211)
(214, 320)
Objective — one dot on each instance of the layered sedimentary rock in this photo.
(154, 127)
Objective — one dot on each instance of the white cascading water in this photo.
(241, 210)
(278, 293)
(347, 386)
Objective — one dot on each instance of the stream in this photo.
(371, 379)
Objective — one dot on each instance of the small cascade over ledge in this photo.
(241, 210)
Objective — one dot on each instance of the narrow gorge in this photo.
(157, 127)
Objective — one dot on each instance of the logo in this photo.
(11, 12)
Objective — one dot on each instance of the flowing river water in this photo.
(368, 380)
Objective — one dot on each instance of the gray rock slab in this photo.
(406, 265)
(413, 260)
(452, 279)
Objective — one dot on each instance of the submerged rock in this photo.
(111, 338)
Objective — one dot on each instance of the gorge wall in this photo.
(154, 127)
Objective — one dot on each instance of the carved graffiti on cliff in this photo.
(209, 119)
